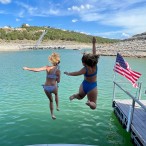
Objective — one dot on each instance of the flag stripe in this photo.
(126, 73)
(123, 69)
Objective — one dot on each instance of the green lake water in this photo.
(24, 111)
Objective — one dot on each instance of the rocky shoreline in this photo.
(132, 48)
(127, 48)
(26, 45)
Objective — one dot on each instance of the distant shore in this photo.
(135, 48)
(24, 44)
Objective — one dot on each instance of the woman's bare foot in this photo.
(91, 104)
(72, 97)
(88, 103)
(53, 117)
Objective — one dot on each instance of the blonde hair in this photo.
(54, 58)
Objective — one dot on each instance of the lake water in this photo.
(24, 111)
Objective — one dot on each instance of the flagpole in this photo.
(114, 88)
(114, 78)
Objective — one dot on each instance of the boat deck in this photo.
(138, 125)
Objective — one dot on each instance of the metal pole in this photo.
(113, 94)
(130, 116)
(139, 93)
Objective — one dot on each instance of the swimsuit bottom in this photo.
(88, 86)
(49, 88)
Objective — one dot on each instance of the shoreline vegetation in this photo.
(132, 48)
(27, 37)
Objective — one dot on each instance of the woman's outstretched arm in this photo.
(77, 73)
(35, 69)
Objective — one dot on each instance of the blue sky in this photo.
(106, 18)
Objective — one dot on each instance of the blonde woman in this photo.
(52, 78)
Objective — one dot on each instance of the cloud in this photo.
(125, 34)
(5, 1)
(127, 16)
(21, 14)
(131, 21)
(38, 10)
(80, 8)
(17, 19)
(74, 20)
(113, 34)
(28, 8)
(91, 17)
(2, 12)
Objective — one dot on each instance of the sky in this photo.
(115, 19)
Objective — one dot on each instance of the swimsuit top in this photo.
(53, 75)
(91, 75)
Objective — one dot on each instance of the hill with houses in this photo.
(26, 32)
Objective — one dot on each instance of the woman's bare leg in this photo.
(56, 98)
(57, 102)
(79, 95)
(51, 109)
(49, 95)
(92, 97)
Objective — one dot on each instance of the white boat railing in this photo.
(134, 99)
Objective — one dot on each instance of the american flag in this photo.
(123, 69)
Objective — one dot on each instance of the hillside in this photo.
(34, 32)
(141, 36)
(131, 47)
(14, 38)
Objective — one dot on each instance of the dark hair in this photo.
(84, 58)
(90, 59)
